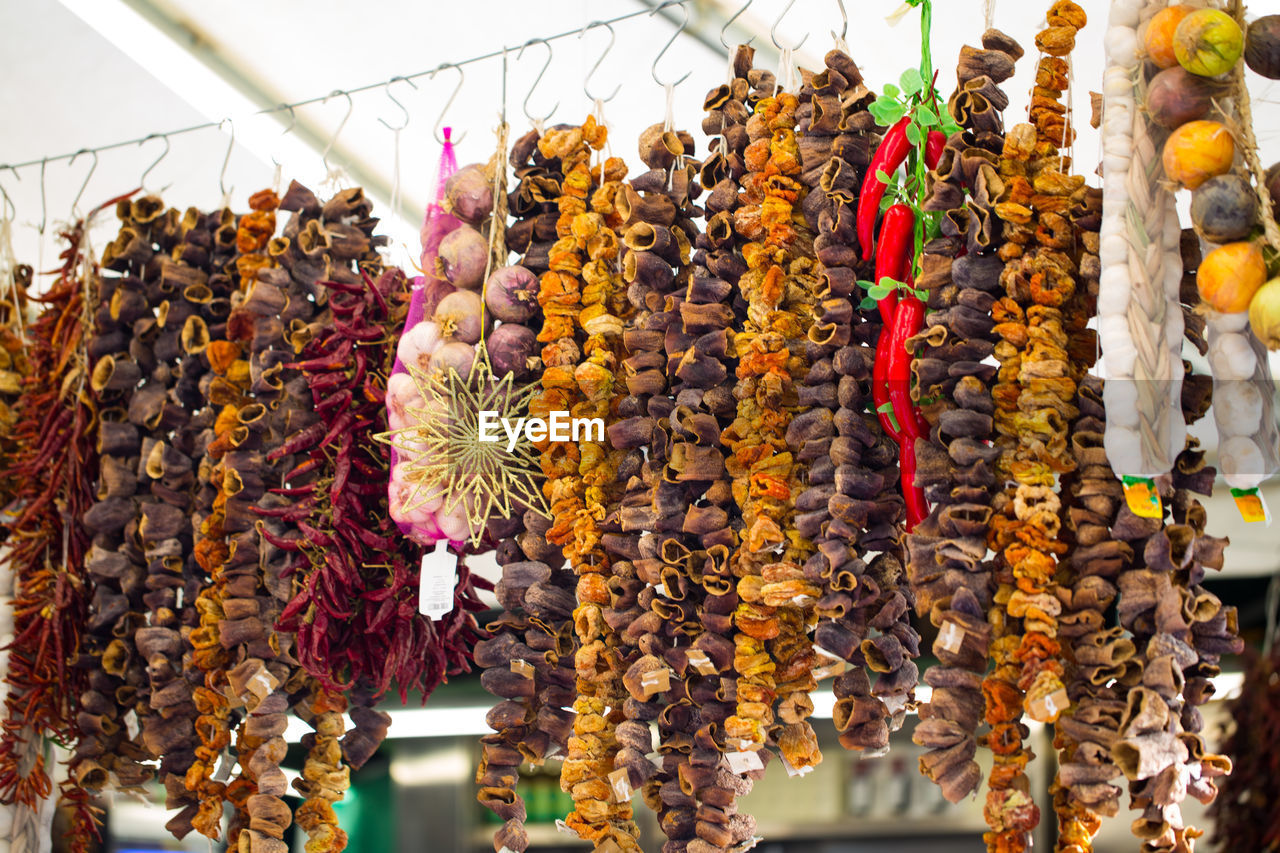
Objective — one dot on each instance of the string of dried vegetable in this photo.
(947, 553)
(49, 463)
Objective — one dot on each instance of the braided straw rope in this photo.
(1152, 313)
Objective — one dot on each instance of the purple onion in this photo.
(462, 258)
(511, 295)
(454, 354)
(469, 194)
(459, 316)
(510, 347)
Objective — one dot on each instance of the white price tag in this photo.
(566, 829)
(795, 771)
(437, 582)
(744, 762)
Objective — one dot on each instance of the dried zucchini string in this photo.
(947, 565)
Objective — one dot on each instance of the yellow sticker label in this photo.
(1143, 499)
(1253, 507)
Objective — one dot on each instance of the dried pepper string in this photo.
(45, 546)
(1034, 397)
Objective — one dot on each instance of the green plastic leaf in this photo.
(865, 285)
(883, 177)
(891, 90)
(887, 111)
(925, 116)
(889, 283)
(920, 293)
(884, 407)
(879, 292)
(913, 133)
(911, 81)
(867, 303)
(887, 202)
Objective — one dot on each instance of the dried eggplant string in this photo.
(851, 510)
(524, 678)
(687, 562)
(661, 677)
(952, 579)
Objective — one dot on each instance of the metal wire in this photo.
(209, 125)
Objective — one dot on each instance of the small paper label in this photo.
(700, 662)
(566, 829)
(262, 683)
(437, 582)
(1252, 505)
(655, 758)
(656, 681)
(225, 765)
(744, 762)
(951, 637)
(522, 667)
(794, 771)
(749, 844)
(1045, 709)
(831, 670)
(1143, 499)
(621, 785)
(740, 743)
(131, 725)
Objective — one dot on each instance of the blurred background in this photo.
(88, 73)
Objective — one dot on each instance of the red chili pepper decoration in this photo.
(906, 322)
(893, 253)
(933, 145)
(889, 156)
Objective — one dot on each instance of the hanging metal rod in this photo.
(209, 125)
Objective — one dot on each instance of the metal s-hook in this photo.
(462, 77)
(773, 31)
(226, 158)
(142, 182)
(11, 208)
(653, 69)
(403, 109)
(93, 167)
(293, 122)
(324, 157)
(524, 105)
(844, 28)
(729, 23)
(586, 81)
